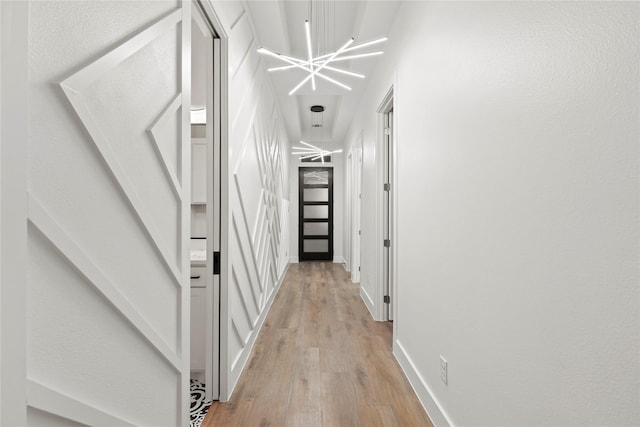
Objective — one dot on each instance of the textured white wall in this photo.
(258, 191)
(518, 205)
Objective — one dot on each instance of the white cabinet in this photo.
(198, 171)
(198, 328)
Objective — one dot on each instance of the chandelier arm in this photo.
(312, 146)
(314, 72)
(308, 156)
(282, 58)
(307, 30)
(288, 67)
(356, 47)
(335, 82)
(361, 55)
(349, 73)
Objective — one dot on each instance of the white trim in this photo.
(39, 217)
(338, 260)
(356, 201)
(387, 312)
(368, 301)
(244, 355)
(184, 302)
(53, 402)
(294, 260)
(225, 212)
(169, 111)
(14, 53)
(92, 72)
(434, 409)
(394, 195)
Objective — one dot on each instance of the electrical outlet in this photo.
(443, 370)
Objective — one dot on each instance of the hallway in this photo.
(320, 360)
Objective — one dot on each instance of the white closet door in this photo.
(108, 191)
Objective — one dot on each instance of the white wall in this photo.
(258, 193)
(518, 205)
(337, 164)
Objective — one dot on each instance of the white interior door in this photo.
(107, 272)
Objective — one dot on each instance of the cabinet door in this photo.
(198, 319)
(198, 172)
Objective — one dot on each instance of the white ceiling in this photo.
(279, 25)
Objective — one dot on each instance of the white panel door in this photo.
(108, 183)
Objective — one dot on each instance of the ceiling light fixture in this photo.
(313, 65)
(310, 151)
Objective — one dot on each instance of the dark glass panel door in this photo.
(315, 230)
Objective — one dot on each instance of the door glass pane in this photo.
(316, 228)
(315, 177)
(316, 245)
(312, 212)
(316, 194)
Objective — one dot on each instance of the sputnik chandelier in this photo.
(315, 64)
(310, 151)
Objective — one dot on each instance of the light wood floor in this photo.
(320, 360)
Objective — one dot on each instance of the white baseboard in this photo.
(243, 357)
(293, 260)
(338, 260)
(438, 416)
(367, 301)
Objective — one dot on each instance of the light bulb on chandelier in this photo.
(313, 65)
(310, 151)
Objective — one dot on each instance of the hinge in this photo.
(387, 299)
(387, 243)
(387, 186)
(387, 131)
(359, 232)
(358, 268)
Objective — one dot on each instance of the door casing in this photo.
(317, 257)
(391, 259)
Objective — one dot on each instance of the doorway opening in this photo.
(388, 212)
(315, 225)
(205, 205)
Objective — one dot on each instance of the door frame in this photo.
(386, 105)
(356, 202)
(330, 218)
(14, 18)
(213, 210)
(222, 132)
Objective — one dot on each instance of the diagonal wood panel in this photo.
(100, 271)
(49, 400)
(73, 87)
(154, 131)
(76, 256)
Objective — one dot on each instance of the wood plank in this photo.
(321, 360)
